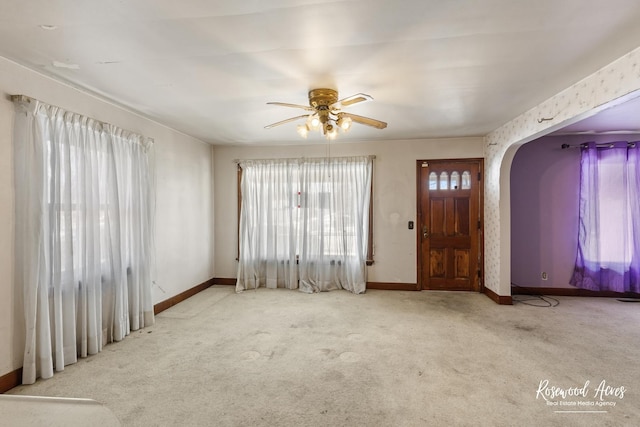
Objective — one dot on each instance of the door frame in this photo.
(419, 216)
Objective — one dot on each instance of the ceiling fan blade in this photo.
(292, 119)
(284, 104)
(365, 120)
(350, 100)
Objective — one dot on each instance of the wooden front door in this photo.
(449, 224)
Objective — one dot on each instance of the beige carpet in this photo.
(385, 358)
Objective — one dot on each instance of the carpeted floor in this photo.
(385, 358)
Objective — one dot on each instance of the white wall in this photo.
(184, 198)
(394, 196)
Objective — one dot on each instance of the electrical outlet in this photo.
(544, 275)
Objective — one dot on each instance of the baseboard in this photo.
(498, 299)
(570, 292)
(10, 380)
(387, 286)
(224, 281)
(163, 305)
(392, 286)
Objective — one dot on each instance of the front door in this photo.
(449, 224)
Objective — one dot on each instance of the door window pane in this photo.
(444, 181)
(466, 180)
(455, 180)
(433, 181)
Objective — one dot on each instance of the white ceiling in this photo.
(207, 68)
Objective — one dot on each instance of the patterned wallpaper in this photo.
(612, 84)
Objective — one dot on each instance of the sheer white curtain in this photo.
(305, 223)
(84, 234)
(268, 224)
(336, 224)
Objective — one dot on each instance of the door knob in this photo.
(425, 232)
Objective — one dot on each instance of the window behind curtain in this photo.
(608, 256)
(297, 202)
(84, 234)
(311, 219)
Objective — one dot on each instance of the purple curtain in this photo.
(608, 257)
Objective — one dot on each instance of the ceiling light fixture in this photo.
(325, 114)
(303, 130)
(330, 129)
(48, 27)
(345, 123)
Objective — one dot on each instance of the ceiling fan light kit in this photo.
(325, 113)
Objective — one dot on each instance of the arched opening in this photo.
(539, 190)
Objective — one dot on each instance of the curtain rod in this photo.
(372, 157)
(630, 144)
(28, 100)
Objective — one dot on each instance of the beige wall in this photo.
(394, 196)
(184, 199)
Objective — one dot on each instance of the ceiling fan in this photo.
(325, 113)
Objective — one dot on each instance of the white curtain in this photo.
(268, 224)
(84, 234)
(336, 224)
(305, 223)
